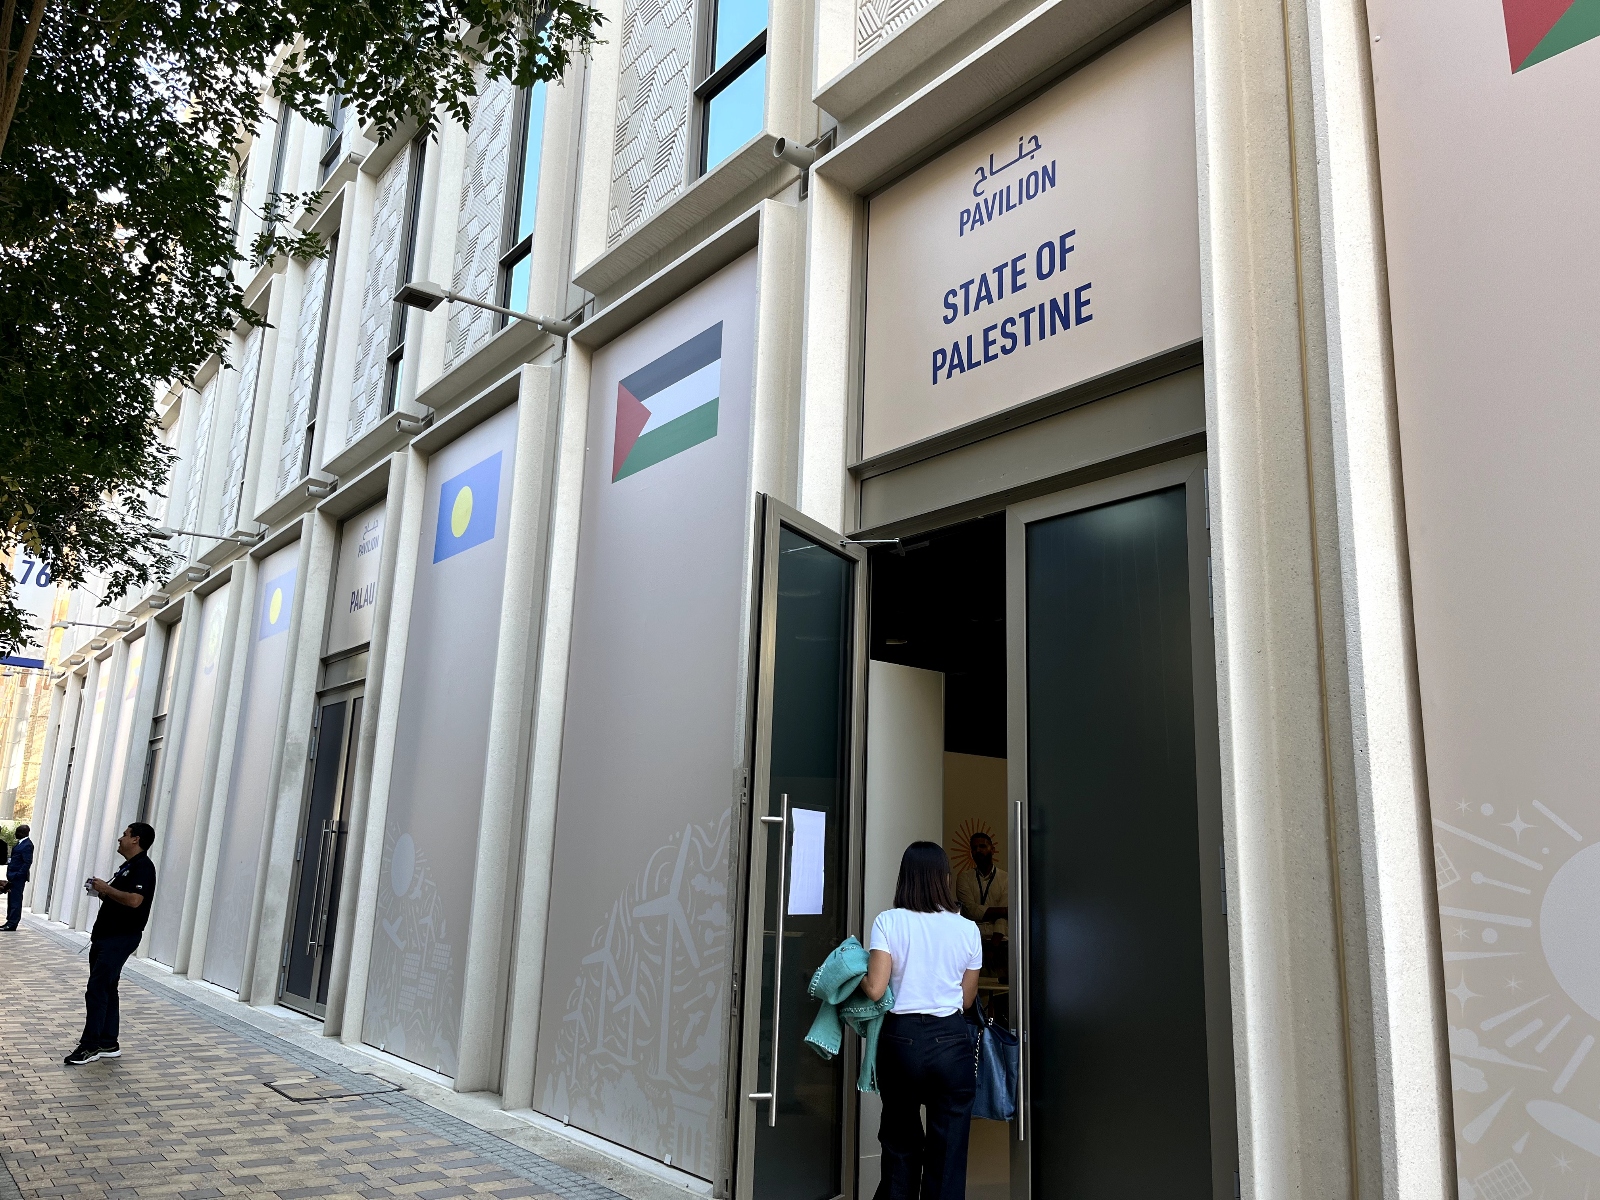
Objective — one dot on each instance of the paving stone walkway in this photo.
(187, 1110)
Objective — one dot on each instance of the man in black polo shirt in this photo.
(124, 910)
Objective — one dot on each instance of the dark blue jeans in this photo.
(925, 1062)
(106, 956)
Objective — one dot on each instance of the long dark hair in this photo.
(924, 883)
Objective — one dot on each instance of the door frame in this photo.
(1188, 472)
(750, 882)
(348, 693)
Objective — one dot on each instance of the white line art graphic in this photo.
(1480, 877)
(1567, 1124)
(1464, 1044)
(1518, 1146)
(1560, 824)
(1468, 914)
(1505, 1182)
(1474, 1130)
(1517, 826)
(1573, 1063)
(1526, 1032)
(1544, 1043)
(1488, 845)
(1502, 1018)
(1443, 868)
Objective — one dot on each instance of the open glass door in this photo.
(796, 1113)
(1123, 950)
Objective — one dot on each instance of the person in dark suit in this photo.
(19, 868)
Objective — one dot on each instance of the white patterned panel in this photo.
(243, 416)
(483, 197)
(377, 301)
(307, 334)
(652, 112)
(200, 454)
(879, 20)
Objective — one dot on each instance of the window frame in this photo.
(716, 80)
(322, 348)
(280, 146)
(515, 250)
(333, 139)
(394, 373)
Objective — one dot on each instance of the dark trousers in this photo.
(925, 1062)
(14, 901)
(106, 956)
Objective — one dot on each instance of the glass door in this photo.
(319, 855)
(1125, 1019)
(796, 1112)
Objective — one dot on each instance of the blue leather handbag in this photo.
(998, 1062)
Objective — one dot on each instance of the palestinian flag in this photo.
(669, 405)
(1541, 29)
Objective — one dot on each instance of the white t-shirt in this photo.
(930, 952)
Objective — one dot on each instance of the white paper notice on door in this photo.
(805, 862)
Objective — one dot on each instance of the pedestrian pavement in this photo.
(188, 1111)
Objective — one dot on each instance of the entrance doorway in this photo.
(1033, 689)
(319, 853)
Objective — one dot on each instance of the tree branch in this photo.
(17, 63)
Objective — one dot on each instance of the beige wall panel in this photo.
(1083, 200)
(1489, 183)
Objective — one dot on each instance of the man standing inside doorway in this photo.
(124, 911)
(985, 897)
(18, 869)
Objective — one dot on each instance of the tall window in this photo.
(333, 136)
(733, 95)
(240, 179)
(280, 144)
(527, 146)
(158, 723)
(395, 376)
(322, 346)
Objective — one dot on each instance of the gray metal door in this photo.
(796, 1113)
(320, 854)
(1123, 950)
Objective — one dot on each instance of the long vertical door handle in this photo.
(771, 1094)
(314, 931)
(1018, 929)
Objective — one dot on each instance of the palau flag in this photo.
(276, 599)
(467, 504)
(669, 405)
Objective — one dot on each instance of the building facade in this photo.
(1137, 433)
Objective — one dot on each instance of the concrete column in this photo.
(1337, 1032)
(487, 970)
(65, 892)
(96, 856)
(50, 806)
(184, 663)
(319, 543)
(526, 985)
(826, 375)
(356, 804)
(1409, 1055)
(384, 714)
(223, 719)
(41, 790)
(219, 763)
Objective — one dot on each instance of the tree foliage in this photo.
(117, 256)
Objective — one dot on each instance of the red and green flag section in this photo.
(669, 405)
(1541, 29)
